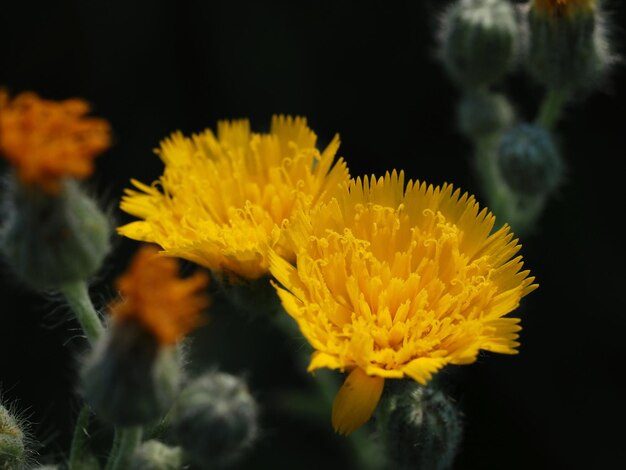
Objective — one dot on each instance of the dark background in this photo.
(368, 71)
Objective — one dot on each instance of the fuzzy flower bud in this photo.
(13, 453)
(49, 240)
(425, 431)
(129, 380)
(529, 161)
(568, 49)
(482, 114)
(479, 41)
(215, 419)
(134, 372)
(154, 455)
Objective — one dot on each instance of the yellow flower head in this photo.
(394, 282)
(154, 296)
(49, 140)
(557, 8)
(223, 199)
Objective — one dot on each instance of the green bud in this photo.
(529, 161)
(130, 379)
(482, 114)
(567, 52)
(154, 455)
(50, 240)
(479, 41)
(13, 453)
(215, 419)
(425, 430)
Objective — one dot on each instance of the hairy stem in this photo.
(79, 439)
(551, 108)
(77, 297)
(125, 442)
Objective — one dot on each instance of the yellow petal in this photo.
(320, 359)
(356, 401)
(423, 368)
(137, 230)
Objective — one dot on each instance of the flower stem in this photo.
(551, 108)
(77, 296)
(365, 452)
(79, 439)
(124, 443)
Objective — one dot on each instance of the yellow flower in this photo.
(223, 199)
(48, 140)
(154, 296)
(392, 282)
(556, 8)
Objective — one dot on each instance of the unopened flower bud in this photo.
(154, 455)
(425, 431)
(215, 419)
(52, 239)
(568, 48)
(529, 161)
(479, 41)
(13, 452)
(482, 114)
(130, 379)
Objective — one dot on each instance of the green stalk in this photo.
(125, 442)
(77, 297)
(551, 108)
(79, 439)
(364, 451)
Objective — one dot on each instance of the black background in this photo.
(368, 71)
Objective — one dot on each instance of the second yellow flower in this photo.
(223, 198)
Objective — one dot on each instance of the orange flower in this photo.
(48, 140)
(556, 8)
(154, 295)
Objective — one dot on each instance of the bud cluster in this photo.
(564, 46)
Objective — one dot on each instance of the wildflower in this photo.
(557, 8)
(224, 198)
(479, 41)
(392, 282)
(153, 295)
(134, 372)
(49, 140)
(568, 48)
